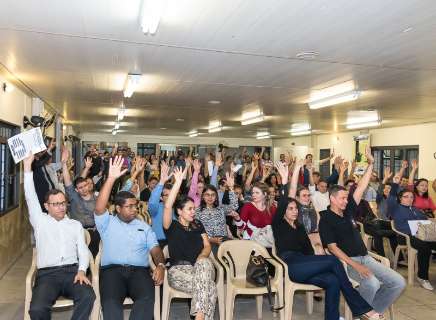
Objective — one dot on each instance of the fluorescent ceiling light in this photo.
(298, 127)
(151, 14)
(193, 133)
(121, 112)
(301, 133)
(117, 125)
(132, 82)
(336, 99)
(215, 126)
(364, 124)
(263, 135)
(251, 117)
(355, 117)
(114, 132)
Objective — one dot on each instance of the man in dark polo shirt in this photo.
(379, 286)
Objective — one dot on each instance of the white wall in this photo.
(132, 140)
(422, 135)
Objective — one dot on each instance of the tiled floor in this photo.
(415, 303)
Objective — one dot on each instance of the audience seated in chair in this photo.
(126, 243)
(379, 286)
(62, 254)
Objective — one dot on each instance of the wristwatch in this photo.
(162, 264)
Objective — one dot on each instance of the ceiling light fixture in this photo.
(151, 13)
(180, 119)
(336, 99)
(117, 125)
(252, 117)
(214, 102)
(300, 129)
(367, 124)
(132, 82)
(263, 135)
(121, 112)
(114, 132)
(193, 133)
(215, 126)
(307, 55)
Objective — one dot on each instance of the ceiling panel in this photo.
(76, 55)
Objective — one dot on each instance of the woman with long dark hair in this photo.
(294, 247)
(191, 270)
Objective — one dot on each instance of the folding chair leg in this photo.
(259, 302)
(166, 303)
(309, 302)
(289, 305)
(410, 267)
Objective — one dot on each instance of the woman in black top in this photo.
(191, 270)
(294, 247)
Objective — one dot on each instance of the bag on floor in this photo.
(426, 232)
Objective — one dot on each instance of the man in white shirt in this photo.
(62, 254)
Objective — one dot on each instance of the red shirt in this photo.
(424, 203)
(253, 216)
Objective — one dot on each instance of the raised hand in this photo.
(404, 164)
(88, 162)
(387, 173)
(197, 165)
(414, 164)
(115, 166)
(140, 164)
(218, 160)
(256, 156)
(27, 162)
(282, 169)
(344, 166)
(65, 155)
(164, 172)
(369, 157)
(179, 173)
(230, 180)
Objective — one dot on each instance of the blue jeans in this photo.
(328, 273)
(382, 288)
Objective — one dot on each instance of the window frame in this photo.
(9, 161)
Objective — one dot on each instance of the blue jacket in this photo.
(402, 214)
(156, 209)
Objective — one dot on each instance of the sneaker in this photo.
(425, 284)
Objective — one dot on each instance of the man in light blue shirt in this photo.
(127, 243)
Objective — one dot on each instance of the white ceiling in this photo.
(76, 55)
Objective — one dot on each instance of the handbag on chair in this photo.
(257, 274)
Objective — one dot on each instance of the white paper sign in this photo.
(413, 225)
(25, 142)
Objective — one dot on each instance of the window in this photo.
(324, 169)
(9, 171)
(143, 149)
(392, 157)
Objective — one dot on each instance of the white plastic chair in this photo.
(408, 251)
(291, 287)
(61, 302)
(170, 293)
(97, 311)
(236, 283)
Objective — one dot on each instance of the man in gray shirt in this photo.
(82, 203)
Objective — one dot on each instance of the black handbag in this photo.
(257, 274)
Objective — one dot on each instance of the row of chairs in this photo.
(407, 251)
(230, 281)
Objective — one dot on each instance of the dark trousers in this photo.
(118, 282)
(328, 273)
(95, 241)
(53, 283)
(380, 229)
(424, 249)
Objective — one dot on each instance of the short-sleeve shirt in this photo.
(80, 209)
(342, 231)
(184, 243)
(125, 243)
